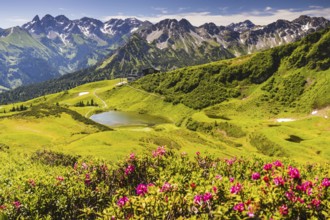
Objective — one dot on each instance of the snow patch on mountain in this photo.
(134, 29)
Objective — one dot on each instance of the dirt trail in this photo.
(140, 90)
(105, 105)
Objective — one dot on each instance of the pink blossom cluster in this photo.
(17, 204)
(279, 181)
(199, 199)
(236, 188)
(239, 207)
(326, 182)
(268, 166)
(141, 189)
(255, 176)
(293, 173)
(122, 201)
(166, 187)
(130, 169)
(160, 151)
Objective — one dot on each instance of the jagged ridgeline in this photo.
(53, 46)
(205, 85)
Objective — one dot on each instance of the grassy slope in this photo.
(67, 135)
(258, 104)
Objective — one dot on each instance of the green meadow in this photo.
(61, 132)
(270, 104)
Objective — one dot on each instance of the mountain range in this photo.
(53, 46)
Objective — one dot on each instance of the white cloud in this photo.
(182, 9)
(315, 6)
(268, 8)
(161, 10)
(62, 9)
(257, 17)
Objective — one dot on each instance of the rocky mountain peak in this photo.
(36, 19)
(174, 26)
(47, 18)
(249, 23)
(133, 21)
(167, 23)
(211, 28)
(241, 26)
(307, 22)
(62, 18)
(303, 19)
(75, 44)
(186, 25)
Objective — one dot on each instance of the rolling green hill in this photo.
(288, 73)
(273, 103)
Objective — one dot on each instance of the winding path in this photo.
(140, 90)
(105, 105)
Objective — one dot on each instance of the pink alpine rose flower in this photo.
(284, 210)
(325, 182)
(294, 173)
(130, 169)
(207, 196)
(17, 204)
(236, 188)
(166, 187)
(279, 181)
(132, 156)
(277, 163)
(268, 166)
(230, 161)
(141, 189)
(290, 195)
(198, 199)
(122, 201)
(239, 207)
(255, 176)
(316, 203)
(160, 151)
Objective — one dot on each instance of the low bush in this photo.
(168, 185)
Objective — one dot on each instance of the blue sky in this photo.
(221, 12)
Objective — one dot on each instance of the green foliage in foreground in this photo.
(164, 185)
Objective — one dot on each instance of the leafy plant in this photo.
(166, 185)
